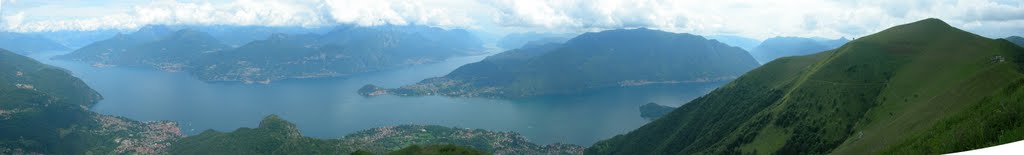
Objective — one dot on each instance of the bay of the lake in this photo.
(331, 108)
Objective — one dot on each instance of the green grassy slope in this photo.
(882, 92)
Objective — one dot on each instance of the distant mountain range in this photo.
(28, 43)
(108, 51)
(74, 39)
(343, 51)
(340, 52)
(741, 42)
(773, 48)
(236, 36)
(151, 46)
(518, 40)
(613, 58)
(919, 88)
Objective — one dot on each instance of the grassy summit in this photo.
(922, 87)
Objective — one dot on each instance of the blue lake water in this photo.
(330, 108)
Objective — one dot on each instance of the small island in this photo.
(652, 111)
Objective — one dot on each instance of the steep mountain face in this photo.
(773, 48)
(27, 43)
(919, 88)
(614, 58)
(1016, 40)
(741, 42)
(277, 136)
(21, 73)
(43, 109)
(341, 52)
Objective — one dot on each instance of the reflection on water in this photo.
(330, 108)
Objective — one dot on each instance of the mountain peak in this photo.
(922, 31)
(150, 33)
(638, 33)
(189, 34)
(932, 21)
(187, 31)
(932, 24)
(154, 28)
(278, 36)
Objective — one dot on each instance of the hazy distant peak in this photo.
(277, 36)
(155, 28)
(187, 31)
(638, 33)
(1016, 40)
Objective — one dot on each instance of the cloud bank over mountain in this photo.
(756, 19)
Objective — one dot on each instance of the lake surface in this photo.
(331, 108)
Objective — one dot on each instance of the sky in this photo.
(757, 19)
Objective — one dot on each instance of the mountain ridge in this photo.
(343, 51)
(867, 96)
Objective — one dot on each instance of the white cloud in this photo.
(379, 12)
(243, 12)
(757, 19)
(760, 19)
